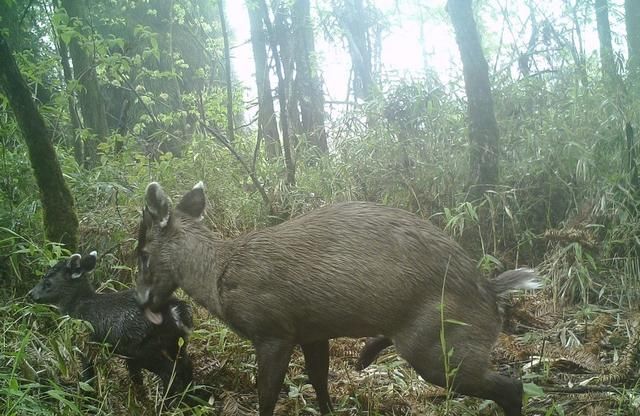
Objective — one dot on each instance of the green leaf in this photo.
(453, 321)
(56, 395)
(532, 390)
(66, 36)
(84, 386)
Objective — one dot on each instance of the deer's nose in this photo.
(142, 294)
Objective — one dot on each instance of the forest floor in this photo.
(583, 360)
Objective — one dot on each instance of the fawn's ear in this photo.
(74, 261)
(157, 204)
(80, 265)
(193, 202)
(88, 263)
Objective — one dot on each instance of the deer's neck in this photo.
(73, 305)
(201, 267)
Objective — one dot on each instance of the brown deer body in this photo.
(345, 270)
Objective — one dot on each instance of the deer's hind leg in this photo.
(464, 368)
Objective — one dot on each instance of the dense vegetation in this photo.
(132, 92)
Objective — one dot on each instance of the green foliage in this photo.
(25, 389)
(564, 166)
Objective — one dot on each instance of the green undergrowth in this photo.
(565, 205)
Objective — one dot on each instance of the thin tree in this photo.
(60, 220)
(227, 71)
(289, 162)
(631, 164)
(483, 128)
(524, 59)
(632, 23)
(281, 36)
(91, 103)
(267, 122)
(607, 59)
(355, 25)
(308, 86)
(78, 152)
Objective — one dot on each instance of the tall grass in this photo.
(562, 169)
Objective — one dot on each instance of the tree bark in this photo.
(267, 122)
(227, 71)
(289, 162)
(19, 22)
(483, 128)
(307, 82)
(90, 99)
(631, 164)
(632, 23)
(60, 220)
(78, 152)
(282, 38)
(577, 46)
(356, 31)
(604, 36)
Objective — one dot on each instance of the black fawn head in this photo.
(162, 230)
(64, 279)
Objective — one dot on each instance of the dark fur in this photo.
(345, 270)
(118, 320)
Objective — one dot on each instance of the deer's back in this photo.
(351, 269)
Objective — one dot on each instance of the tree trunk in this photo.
(422, 39)
(60, 221)
(308, 84)
(267, 122)
(524, 59)
(577, 46)
(632, 22)
(78, 152)
(282, 97)
(227, 71)
(90, 99)
(285, 44)
(483, 128)
(604, 35)
(20, 24)
(356, 31)
(631, 164)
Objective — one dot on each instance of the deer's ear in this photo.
(157, 204)
(193, 202)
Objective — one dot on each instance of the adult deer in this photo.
(352, 269)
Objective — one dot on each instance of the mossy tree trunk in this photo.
(60, 220)
(91, 103)
(483, 127)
